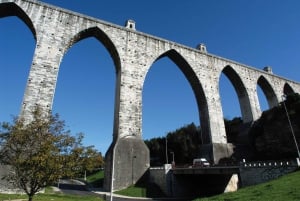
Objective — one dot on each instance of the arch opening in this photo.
(263, 102)
(101, 37)
(268, 92)
(11, 9)
(85, 92)
(231, 113)
(16, 52)
(170, 105)
(241, 93)
(287, 89)
(197, 90)
(233, 93)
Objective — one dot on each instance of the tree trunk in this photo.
(30, 197)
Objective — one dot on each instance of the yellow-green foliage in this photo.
(40, 151)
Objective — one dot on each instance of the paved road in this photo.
(123, 198)
(75, 187)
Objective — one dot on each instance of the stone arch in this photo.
(108, 44)
(16, 15)
(287, 89)
(241, 91)
(268, 91)
(198, 91)
(11, 9)
(103, 38)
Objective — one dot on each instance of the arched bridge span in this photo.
(56, 30)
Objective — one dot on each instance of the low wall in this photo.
(201, 185)
(5, 186)
(161, 176)
(185, 185)
(190, 185)
(259, 172)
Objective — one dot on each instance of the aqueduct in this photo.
(56, 30)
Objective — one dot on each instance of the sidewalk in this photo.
(16, 200)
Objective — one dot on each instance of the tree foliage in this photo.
(184, 142)
(271, 135)
(233, 128)
(41, 151)
(268, 138)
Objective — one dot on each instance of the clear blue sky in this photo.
(258, 33)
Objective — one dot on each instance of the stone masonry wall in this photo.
(260, 172)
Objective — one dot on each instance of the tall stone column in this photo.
(216, 147)
(128, 158)
(42, 77)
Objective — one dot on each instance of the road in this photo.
(76, 187)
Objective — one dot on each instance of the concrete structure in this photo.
(262, 171)
(133, 53)
(203, 181)
(191, 182)
(7, 187)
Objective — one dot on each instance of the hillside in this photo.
(283, 188)
(268, 138)
(271, 135)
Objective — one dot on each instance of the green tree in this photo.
(40, 151)
(84, 158)
(271, 134)
(184, 142)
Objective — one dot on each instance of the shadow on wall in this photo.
(199, 185)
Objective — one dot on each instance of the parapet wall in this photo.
(161, 177)
(187, 185)
(260, 172)
(5, 186)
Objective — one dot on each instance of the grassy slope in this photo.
(96, 179)
(50, 195)
(47, 197)
(284, 188)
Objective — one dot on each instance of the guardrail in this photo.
(157, 168)
(242, 164)
(271, 163)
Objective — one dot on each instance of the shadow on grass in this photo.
(151, 190)
(97, 183)
(143, 188)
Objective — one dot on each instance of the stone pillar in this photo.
(128, 158)
(216, 147)
(255, 112)
(42, 77)
(126, 162)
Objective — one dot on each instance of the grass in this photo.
(11, 196)
(133, 191)
(284, 188)
(142, 190)
(96, 179)
(49, 195)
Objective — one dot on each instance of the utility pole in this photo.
(173, 159)
(291, 127)
(167, 160)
